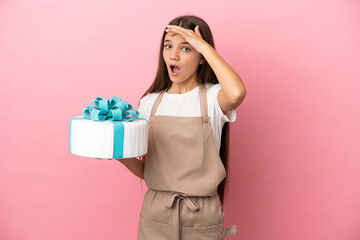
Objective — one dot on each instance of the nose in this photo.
(174, 55)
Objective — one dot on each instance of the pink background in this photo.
(294, 146)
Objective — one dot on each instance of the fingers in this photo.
(197, 30)
(178, 29)
(182, 31)
(174, 30)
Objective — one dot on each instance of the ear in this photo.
(202, 59)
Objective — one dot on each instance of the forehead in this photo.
(174, 37)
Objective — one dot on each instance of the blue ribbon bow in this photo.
(112, 110)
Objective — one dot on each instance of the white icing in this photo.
(95, 138)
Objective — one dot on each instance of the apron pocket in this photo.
(215, 232)
(151, 230)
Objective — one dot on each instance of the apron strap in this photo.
(156, 103)
(191, 204)
(203, 101)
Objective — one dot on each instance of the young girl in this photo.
(193, 97)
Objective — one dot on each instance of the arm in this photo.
(232, 91)
(134, 165)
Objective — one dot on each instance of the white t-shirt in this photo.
(188, 105)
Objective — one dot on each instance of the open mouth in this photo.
(174, 69)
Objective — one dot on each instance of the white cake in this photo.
(100, 139)
(108, 128)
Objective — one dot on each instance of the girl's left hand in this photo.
(193, 38)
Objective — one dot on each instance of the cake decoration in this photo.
(108, 128)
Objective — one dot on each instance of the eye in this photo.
(166, 46)
(188, 49)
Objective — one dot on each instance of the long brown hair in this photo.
(206, 75)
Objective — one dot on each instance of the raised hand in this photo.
(193, 38)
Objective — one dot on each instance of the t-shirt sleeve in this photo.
(142, 110)
(145, 105)
(229, 116)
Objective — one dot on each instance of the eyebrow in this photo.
(181, 42)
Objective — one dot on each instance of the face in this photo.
(181, 59)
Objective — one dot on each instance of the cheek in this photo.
(192, 63)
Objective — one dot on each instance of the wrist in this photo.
(123, 160)
(120, 160)
(206, 47)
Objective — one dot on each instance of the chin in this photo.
(177, 80)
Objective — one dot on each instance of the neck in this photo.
(183, 87)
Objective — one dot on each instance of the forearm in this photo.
(229, 80)
(134, 165)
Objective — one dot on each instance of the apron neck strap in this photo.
(157, 101)
(203, 100)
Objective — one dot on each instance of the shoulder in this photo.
(148, 100)
(212, 86)
(151, 97)
(146, 104)
(212, 89)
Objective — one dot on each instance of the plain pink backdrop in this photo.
(294, 146)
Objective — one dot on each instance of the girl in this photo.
(193, 97)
